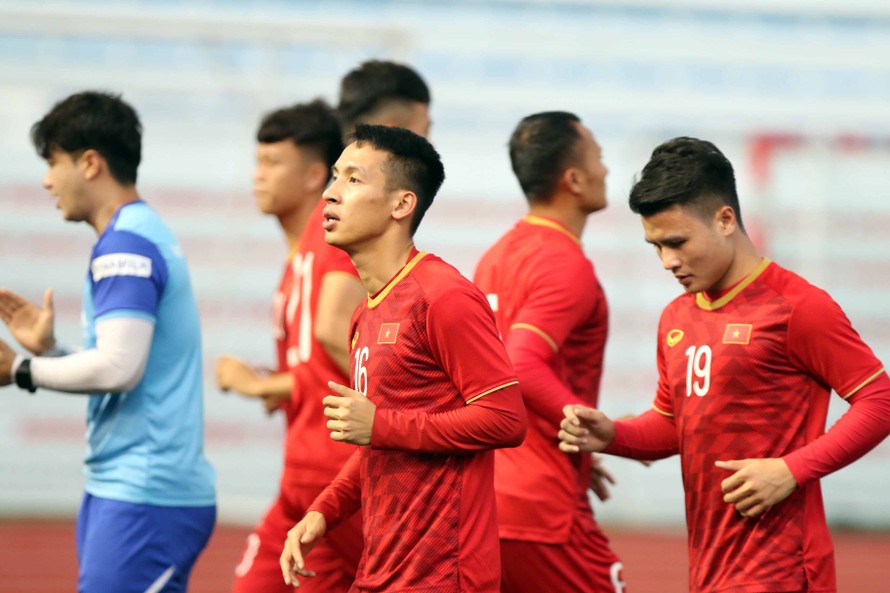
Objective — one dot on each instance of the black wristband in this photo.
(23, 376)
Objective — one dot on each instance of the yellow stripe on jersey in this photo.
(864, 383)
(373, 302)
(538, 331)
(662, 412)
(492, 390)
(541, 221)
(707, 305)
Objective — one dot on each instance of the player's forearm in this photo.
(648, 436)
(494, 421)
(542, 391)
(343, 496)
(274, 385)
(115, 365)
(857, 432)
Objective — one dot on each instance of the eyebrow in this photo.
(346, 169)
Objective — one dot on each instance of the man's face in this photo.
(359, 206)
(698, 252)
(65, 181)
(282, 177)
(592, 171)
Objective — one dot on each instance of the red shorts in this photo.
(334, 559)
(584, 564)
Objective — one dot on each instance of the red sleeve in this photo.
(664, 403)
(558, 299)
(857, 432)
(490, 422)
(542, 390)
(343, 496)
(823, 344)
(464, 340)
(648, 436)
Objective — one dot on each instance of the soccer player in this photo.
(149, 506)
(553, 317)
(432, 394)
(385, 93)
(747, 359)
(313, 305)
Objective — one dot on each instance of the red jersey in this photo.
(541, 286)
(311, 457)
(748, 375)
(426, 343)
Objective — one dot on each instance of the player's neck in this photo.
(569, 217)
(113, 197)
(293, 222)
(745, 260)
(377, 264)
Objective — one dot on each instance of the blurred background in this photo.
(795, 92)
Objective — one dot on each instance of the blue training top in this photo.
(145, 446)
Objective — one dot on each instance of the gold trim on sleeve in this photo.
(662, 412)
(538, 331)
(492, 390)
(864, 383)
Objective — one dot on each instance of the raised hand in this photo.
(585, 429)
(30, 325)
(7, 356)
(351, 415)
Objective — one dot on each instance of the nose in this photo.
(669, 259)
(331, 195)
(47, 181)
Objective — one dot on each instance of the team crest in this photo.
(388, 333)
(674, 336)
(737, 333)
(354, 339)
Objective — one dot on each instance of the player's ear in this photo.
(91, 164)
(317, 177)
(571, 180)
(726, 220)
(406, 202)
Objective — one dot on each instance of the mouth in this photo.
(330, 220)
(684, 279)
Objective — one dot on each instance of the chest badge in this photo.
(737, 333)
(674, 336)
(388, 333)
(354, 339)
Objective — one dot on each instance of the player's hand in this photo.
(585, 429)
(351, 415)
(7, 356)
(599, 476)
(30, 325)
(757, 484)
(300, 540)
(272, 403)
(234, 375)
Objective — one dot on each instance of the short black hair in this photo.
(542, 146)
(413, 163)
(687, 172)
(312, 126)
(377, 84)
(93, 120)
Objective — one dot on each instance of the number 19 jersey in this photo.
(748, 375)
